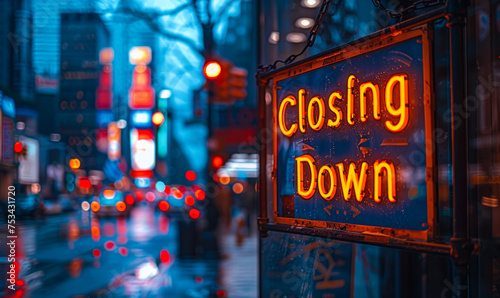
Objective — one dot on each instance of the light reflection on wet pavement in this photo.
(76, 255)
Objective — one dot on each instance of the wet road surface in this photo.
(79, 255)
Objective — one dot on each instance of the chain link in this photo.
(310, 40)
(395, 14)
(324, 9)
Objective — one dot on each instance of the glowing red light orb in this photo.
(221, 293)
(139, 196)
(129, 199)
(163, 205)
(190, 175)
(215, 177)
(18, 147)
(217, 161)
(194, 213)
(164, 256)
(96, 253)
(123, 251)
(189, 201)
(167, 190)
(109, 245)
(199, 194)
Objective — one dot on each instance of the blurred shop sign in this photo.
(143, 149)
(29, 164)
(349, 135)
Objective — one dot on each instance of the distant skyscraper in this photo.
(16, 69)
(46, 31)
(6, 29)
(127, 32)
(83, 35)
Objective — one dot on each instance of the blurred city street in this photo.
(77, 255)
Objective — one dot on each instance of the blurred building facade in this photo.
(83, 35)
(16, 83)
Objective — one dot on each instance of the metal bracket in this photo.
(461, 251)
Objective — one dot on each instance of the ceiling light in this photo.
(296, 37)
(304, 23)
(274, 37)
(310, 3)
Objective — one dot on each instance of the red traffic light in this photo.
(212, 70)
(18, 147)
(229, 82)
(158, 118)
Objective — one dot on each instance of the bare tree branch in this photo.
(224, 9)
(197, 11)
(174, 10)
(209, 14)
(152, 22)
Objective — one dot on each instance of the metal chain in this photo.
(310, 40)
(324, 9)
(404, 11)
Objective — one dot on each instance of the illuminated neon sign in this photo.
(354, 181)
(348, 128)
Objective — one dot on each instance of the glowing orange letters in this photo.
(309, 160)
(352, 180)
(281, 119)
(314, 113)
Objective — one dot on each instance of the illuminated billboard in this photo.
(349, 129)
(29, 164)
(143, 149)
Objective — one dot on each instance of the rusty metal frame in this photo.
(390, 237)
(459, 247)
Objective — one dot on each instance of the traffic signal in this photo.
(229, 82)
(18, 147)
(20, 150)
(212, 69)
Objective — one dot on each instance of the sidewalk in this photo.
(241, 266)
(233, 276)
